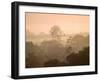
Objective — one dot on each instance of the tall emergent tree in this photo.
(56, 32)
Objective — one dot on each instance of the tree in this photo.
(49, 46)
(32, 57)
(56, 32)
(80, 58)
(78, 42)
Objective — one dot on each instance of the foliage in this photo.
(32, 60)
(81, 58)
(56, 32)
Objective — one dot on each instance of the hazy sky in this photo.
(69, 24)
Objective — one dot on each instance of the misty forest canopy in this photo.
(56, 49)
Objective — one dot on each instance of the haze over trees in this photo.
(57, 49)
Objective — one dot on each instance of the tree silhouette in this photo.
(55, 32)
(81, 58)
(32, 60)
(78, 42)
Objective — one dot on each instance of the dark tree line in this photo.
(73, 59)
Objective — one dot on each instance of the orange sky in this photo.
(69, 24)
